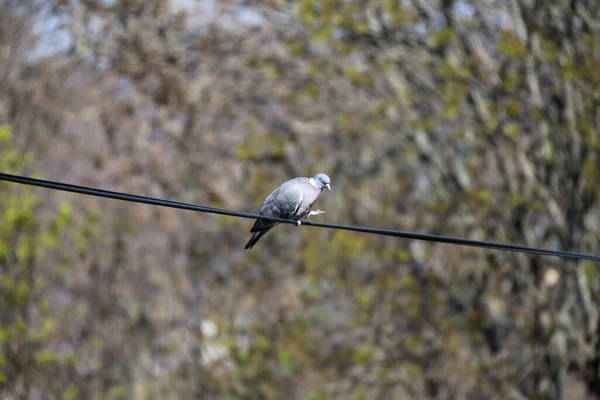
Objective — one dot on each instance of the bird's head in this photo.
(322, 181)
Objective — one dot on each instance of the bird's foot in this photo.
(315, 212)
(298, 223)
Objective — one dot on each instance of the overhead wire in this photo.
(212, 210)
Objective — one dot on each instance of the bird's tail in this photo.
(254, 238)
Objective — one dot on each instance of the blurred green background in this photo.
(475, 119)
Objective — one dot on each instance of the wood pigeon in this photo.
(292, 200)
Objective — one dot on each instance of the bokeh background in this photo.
(476, 119)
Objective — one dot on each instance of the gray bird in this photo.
(292, 200)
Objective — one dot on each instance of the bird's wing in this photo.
(283, 202)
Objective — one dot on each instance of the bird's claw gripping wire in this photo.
(315, 212)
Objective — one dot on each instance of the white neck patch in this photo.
(313, 182)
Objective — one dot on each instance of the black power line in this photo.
(387, 232)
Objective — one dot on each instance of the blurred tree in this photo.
(29, 325)
(475, 119)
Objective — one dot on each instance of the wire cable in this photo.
(386, 232)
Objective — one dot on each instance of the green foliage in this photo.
(510, 45)
(353, 74)
(44, 357)
(26, 240)
(444, 36)
(512, 131)
(345, 244)
(323, 17)
(71, 393)
(364, 354)
(259, 144)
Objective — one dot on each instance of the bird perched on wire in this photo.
(292, 200)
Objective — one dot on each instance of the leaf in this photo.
(285, 362)
(5, 134)
(71, 393)
(363, 354)
(444, 36)
(44, 357)
(511, 46)
(512, 131)
(19, 294)
(363, 297)
(413, 370)
(353, 74)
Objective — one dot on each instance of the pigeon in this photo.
(292, 200)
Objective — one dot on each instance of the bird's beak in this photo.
(328, 187)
